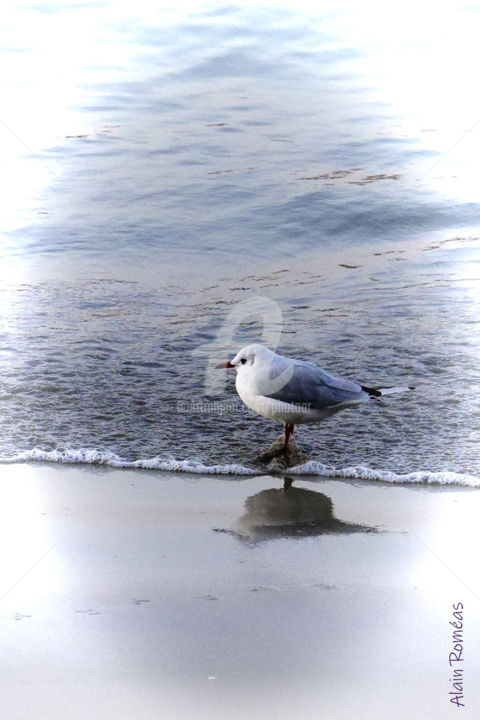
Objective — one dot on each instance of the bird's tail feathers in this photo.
(379, 391)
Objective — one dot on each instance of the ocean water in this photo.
(181, 182)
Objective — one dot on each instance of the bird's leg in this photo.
(288, 431)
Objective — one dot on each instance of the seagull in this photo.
(294, 392)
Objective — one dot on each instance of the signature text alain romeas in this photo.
(455, 658)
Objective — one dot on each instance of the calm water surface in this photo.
(166, 167)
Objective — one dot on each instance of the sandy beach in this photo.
(159, 595)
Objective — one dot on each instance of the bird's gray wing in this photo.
(311, 385)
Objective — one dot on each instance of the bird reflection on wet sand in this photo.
(289, 512)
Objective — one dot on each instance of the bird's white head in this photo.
(248, 356)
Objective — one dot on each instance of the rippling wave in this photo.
(86, 456)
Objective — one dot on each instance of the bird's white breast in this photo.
(270, 407)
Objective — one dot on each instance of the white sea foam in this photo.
(360, 472)
(87, 456)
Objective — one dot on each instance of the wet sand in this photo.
(136, 594)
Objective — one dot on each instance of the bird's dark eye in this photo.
(243, 360)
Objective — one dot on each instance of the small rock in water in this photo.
(279, 458)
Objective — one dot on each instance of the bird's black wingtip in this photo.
(373, 392)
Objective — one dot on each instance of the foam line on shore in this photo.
(87, 456)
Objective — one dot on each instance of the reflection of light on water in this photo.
(423, 58)
(54, 59)
(468, 276)
(22, 182)
(473, 279)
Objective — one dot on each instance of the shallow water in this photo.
(176, 165)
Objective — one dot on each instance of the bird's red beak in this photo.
(227, 364)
